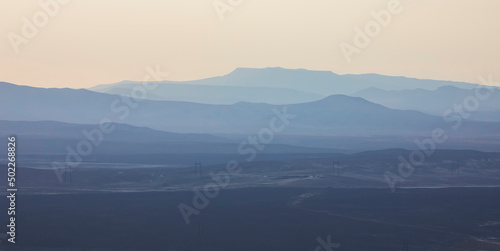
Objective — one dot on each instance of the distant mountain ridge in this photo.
(435, 102)
(327, 82)
(275, 86)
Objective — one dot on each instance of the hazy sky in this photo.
(90, 42)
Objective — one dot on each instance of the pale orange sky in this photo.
(91, 42)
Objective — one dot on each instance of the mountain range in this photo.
(273, 86)
(436, 102)
(385, 112)
(334, 115)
